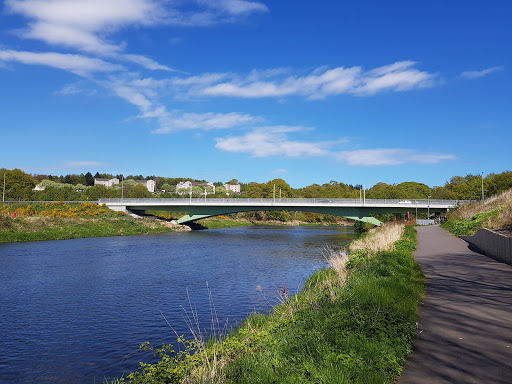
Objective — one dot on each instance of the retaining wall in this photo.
(492, 244)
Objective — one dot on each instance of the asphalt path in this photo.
(465, 320)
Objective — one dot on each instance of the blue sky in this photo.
(352, 91)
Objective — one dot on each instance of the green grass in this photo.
(359, 333)
(460, 227)
(363, 336)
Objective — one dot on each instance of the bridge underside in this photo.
(353, 213)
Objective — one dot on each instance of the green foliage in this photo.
(18, 184)
(362, 227)
(215, 223)
(283, 216)
(468, 227)
(138, 191)
(173, 366)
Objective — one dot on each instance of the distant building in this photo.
(149, 184)
(235, 188)
(106, 182)
(39, 187)
(191, 184)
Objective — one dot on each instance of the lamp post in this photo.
(122, 187)
(428, 208)
(3, 192)
(482, 186)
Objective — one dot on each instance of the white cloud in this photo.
(83, 24)
(280, 171)
(84, 164)
(87, 24)
(178, 121)
(236, 7)
(272, 141)
(389, 156)
(320, 83)
(482, 73)
(78, 64)
(145, 62)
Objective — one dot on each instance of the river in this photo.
(76, 311)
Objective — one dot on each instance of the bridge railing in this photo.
(285, 201)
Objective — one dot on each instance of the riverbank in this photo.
(351, 323)
(59, 221)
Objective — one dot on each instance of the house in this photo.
(106, 182)
(235, 188)
(149, 184)
(191, 184)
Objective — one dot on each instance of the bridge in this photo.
(355, 209)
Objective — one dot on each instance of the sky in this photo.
(358, 92)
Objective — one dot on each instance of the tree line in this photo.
(19, 185)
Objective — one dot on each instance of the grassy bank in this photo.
(491, 213)
(58, 221)
(352, 323)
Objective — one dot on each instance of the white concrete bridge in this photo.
(355, 209)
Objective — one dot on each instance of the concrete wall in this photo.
(492, 244)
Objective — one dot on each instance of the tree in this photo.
(255, 190)
(138, 191)
(281, 189)
(18, 184)
(89, 179)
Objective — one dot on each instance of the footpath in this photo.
(465, 320)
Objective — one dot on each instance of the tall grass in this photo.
(379, 239)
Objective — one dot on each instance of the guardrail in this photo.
(285, 201)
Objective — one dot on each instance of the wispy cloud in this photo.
(280, 171)
(85, 164)
(273, 141)
(77, 64)
(178, 121)
(482, 73)
(389, 156)
(321, 83)
(85, 24)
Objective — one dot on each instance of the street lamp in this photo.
(482, 186)
(428, 208)
(3, 193)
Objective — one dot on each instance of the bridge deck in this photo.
(355, 209)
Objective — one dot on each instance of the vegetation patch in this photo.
(58, 220)
(492, 213)
(350, 325)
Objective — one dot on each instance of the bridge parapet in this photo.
(403, 203)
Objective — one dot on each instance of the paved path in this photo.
(465, 331)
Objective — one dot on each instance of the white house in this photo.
(149, 184)
(235, 188)
(191, 184)
(106, 182)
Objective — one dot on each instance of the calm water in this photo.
(75, 311)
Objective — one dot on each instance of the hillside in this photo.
(492, 213)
